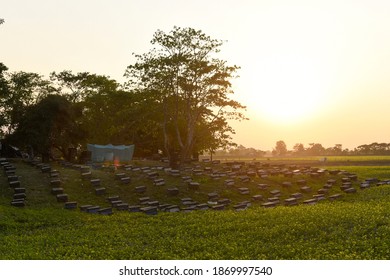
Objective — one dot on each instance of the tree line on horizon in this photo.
(313, 149)
(175, 103)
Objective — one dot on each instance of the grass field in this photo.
(357, 226)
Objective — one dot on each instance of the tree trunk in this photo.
(173, 159)
(46, 157)
(167, 145)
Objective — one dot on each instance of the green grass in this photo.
(380, 172)
(323, 231)
(356, 227)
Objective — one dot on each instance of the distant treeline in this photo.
(313, 149)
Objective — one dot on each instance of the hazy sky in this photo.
(311, 71)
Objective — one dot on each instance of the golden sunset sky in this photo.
(311, 71)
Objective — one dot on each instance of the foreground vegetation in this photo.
(358, 230)
(355, 227)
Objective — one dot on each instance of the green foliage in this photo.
(19, 91)
(51, 123)
(3, 92)
(110, 114)
(77, 87)
(326, 231)
(373, 149)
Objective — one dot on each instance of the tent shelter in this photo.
(101, 153)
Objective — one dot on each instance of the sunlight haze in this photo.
(311, 71)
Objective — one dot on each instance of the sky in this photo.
(311, 71)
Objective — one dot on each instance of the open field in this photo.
(354, 226)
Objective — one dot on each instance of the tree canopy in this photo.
(280, 148)
(49, 125)
(185, 81)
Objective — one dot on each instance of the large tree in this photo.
(183, 77)
(110, 114)
(48, 126)
(280, 148)
(315, 149)
(98, 95)
(299, 149)
(77, 87)
(19, 91)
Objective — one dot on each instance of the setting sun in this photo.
(293, 63)
(287, 89)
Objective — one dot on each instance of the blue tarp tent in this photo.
(101, 153)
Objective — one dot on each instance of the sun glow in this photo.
(287, 90)
(293, 63)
